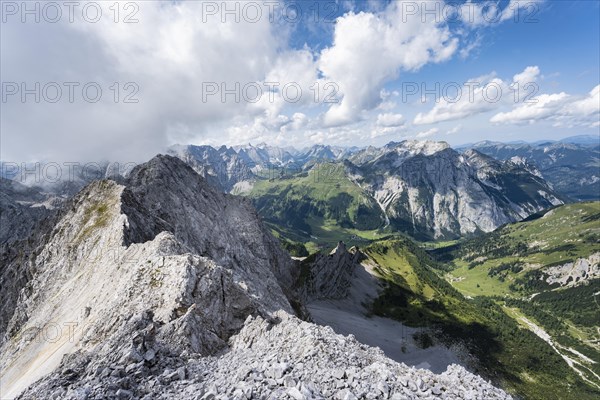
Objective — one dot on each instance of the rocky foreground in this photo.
(285, 358)
(171, 290)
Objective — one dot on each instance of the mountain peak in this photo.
(426, 147)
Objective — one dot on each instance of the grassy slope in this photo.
(506, 266)
(510, 354)
(564, 234)
(318, 208)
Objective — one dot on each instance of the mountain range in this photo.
(458, 274)
(573, 169)
(425, 189)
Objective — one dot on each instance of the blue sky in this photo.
(178, 59)
(562, 38)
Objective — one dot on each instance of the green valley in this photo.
(318, 208)
(544, 273)
(492, 330)
(523, 299)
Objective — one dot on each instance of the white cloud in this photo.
(370, 49)
(299, 121)
(427, 133)
(561, 108)
(454, 130)
(480, 95)
(529, 75)
(171, 53)
(390, 120)
(588, 106)
(475, 97)
(541, 107)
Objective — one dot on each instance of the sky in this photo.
(124, 80)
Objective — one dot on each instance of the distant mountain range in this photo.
(425, 189)
(570, 165)
(572, 169)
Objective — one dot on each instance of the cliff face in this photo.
(330, 276)
(199, 260)
(432, 191)
(138, 290)
(23, 223)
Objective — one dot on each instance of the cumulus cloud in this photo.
(189, 74)
(370, 49)
(454, 130)
(587, 106)
(542, 107)
(169, 55)
(390, 120)
(195, 77)
(529, 75)
(480, 95)
(427, 133)
(561, 108)
(472, 99)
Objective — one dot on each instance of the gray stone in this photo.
(296, 394)
(124, 394)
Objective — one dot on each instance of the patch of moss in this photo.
(95, 216)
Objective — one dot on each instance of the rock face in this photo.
(23, 221)
(223, 168)
(431, 191)
(571, 168)
(574, 273)
(330, 275)
(162, 287)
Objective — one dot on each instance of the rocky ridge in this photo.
(282, 359)
(330, 276)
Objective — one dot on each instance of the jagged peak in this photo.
(166, 169)
(426, 147)
(339, 249)
(478, 158)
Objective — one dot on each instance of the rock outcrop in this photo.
(429, 190)
(574, 273)
(330, 276)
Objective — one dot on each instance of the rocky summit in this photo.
(160, 287)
